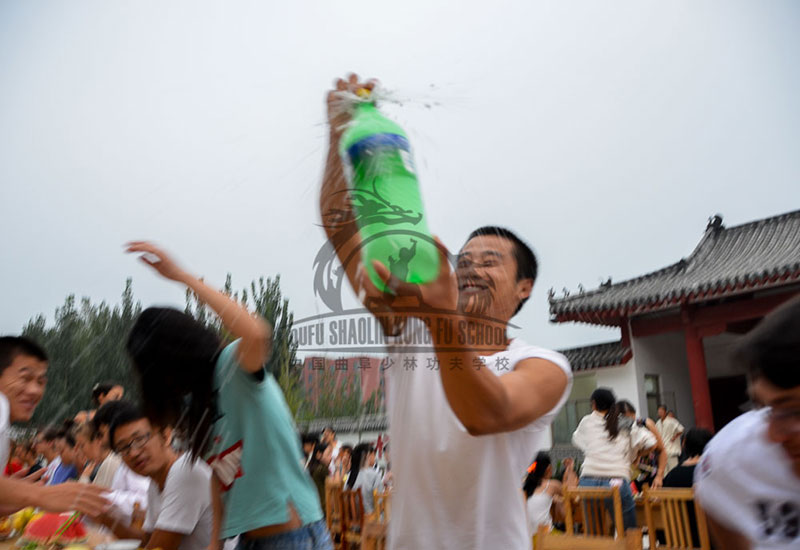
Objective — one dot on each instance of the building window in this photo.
(652, 388)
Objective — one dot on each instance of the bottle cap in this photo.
(363, 92)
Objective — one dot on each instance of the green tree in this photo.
(85, 345)
(338, 394)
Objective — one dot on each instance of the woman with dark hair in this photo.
(364, 476)
(609, 447)
(231, 411)
(543, 500)
(694, 443)
(652, 462)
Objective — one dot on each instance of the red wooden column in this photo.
(701, 397)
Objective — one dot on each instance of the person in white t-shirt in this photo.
(23, 377)
(127, 489)
(671, 431)
(748, 479)
(179, 514)
(610, 441)
(468, 407)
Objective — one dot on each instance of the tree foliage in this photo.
(86, 345)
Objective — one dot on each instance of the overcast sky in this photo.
(604, 133)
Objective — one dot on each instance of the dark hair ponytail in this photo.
(359, 455)
(604, 400)
(536, 473)
(175, 357)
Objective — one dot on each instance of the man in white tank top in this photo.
(468, 407)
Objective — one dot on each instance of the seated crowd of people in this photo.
(356, 468)
(618, 449)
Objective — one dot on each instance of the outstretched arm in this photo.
(335, 208)
(254, 332)
(662, 454)
(16, 494)
(334, 199)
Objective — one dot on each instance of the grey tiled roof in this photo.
(727, 261)
(608, 354)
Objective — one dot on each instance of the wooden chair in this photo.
(383, 506)
(352, 517)
(545, 540)
(376, 526)
(590, 504)
(678, 516)
(333, 511)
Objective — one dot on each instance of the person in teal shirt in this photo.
(230, 411)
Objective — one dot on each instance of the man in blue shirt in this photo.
(68, 469)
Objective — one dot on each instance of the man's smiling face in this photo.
(23, 383)
(487, 278)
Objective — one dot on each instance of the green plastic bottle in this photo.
(385, 195)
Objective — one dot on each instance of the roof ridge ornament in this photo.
(715, 223)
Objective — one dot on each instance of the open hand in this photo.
(157, 259)
(658, 482)
(65, 497)
(439, 294)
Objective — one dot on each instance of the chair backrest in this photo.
(352, 511)
(675, 512)
(383, 506)
(333, 505)
(544, 540)
(587, 506)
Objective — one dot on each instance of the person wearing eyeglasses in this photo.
(748, 479)
(179, 514)
(127, 488)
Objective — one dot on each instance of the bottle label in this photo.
(365, 150)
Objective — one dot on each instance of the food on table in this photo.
(6, 526)
(53, 531)
(21, 518)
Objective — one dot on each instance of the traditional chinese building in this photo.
(678, 324)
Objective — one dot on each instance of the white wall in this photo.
(624, 382)
(665, 355)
